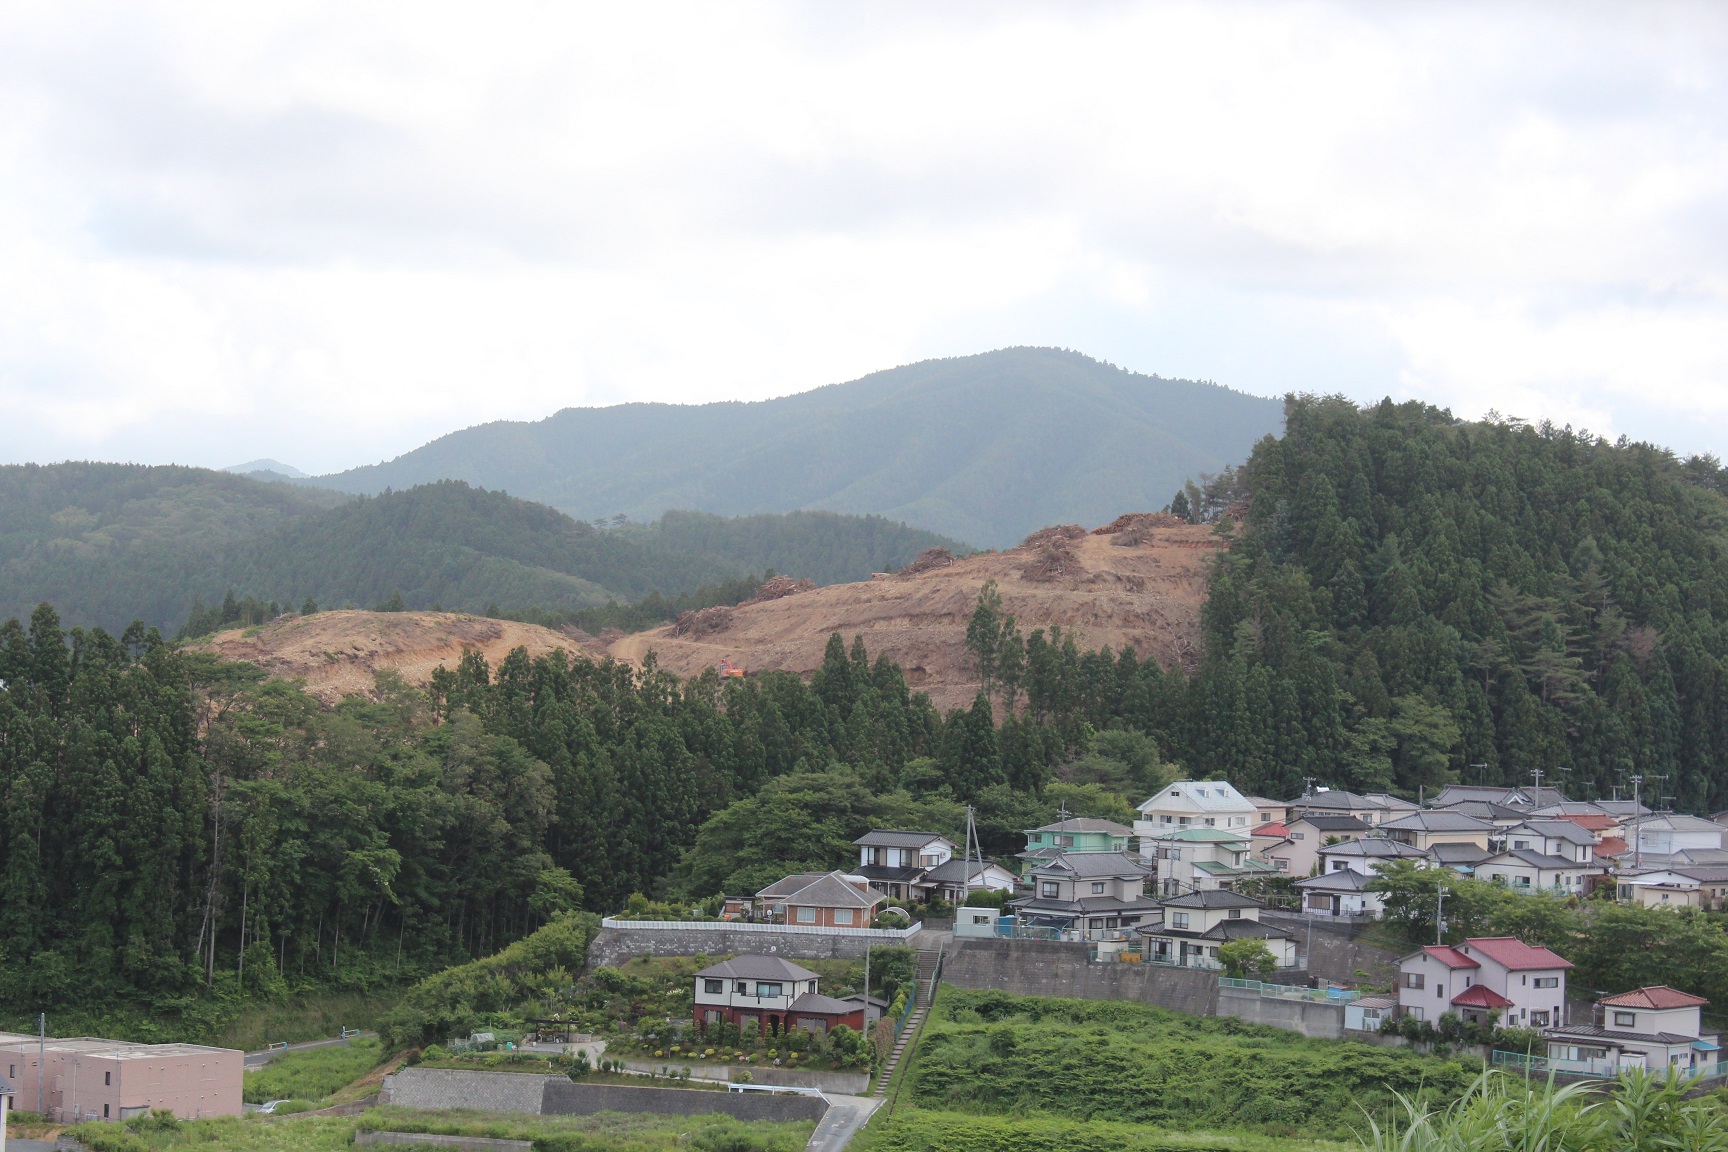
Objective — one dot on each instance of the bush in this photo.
(313, 1073)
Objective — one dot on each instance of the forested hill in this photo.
(1490, 598)
(111, 543)
(981, 448)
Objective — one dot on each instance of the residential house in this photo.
(1269, 811)
(1667, 833)
(821, 900)
(1437, 826)
(1523, 984)
(1526, 870)
(1299, 853)
(1367, 1013)
(1342, 892)
(1464, 858)
(1511, 797)
(1191, 928)
(1562, 838)
(1680, 887)
(1335, 802)
(1267, 837)
(895, 861)
(1091, 894)
(1393, 806)
(1196, 859)
(768, 996)
(1368, 856)
(1487, 811)
(1652, 1028)
(958, 878)
(1195, 804)
(88, 1078)
(1075, 834)
(1622, 810)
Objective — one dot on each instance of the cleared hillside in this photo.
(339, 653)
(981, 448)
(1144, 589)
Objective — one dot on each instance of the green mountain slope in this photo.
(981, 448)
(1416, 600)
(111, 543)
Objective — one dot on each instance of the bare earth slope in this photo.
(1147, 594)
(338, 652)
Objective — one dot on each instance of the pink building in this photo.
(93, 1079)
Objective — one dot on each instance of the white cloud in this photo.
(329, 232)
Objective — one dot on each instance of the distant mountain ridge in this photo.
(111, 543)
(981, 448)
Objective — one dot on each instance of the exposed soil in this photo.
(1146, 592)
(338, 652)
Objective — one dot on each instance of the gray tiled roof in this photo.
(1087, 824)
(1211, 898)
(896, 838)
(1438, 820)
(755, 967)
(1091, 864)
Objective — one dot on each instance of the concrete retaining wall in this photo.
(1308, 1017)
(472, 1143)
(613, 946)
(1332, 951)
(458, 1088)
(1050, 968)
(844, 1083)
(565, 1098)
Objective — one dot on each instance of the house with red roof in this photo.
(1653, 1028)
(1519, 984)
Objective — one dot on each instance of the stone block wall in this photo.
(566, 1098)
(1051, 968)
(458, 1088)
(421, 1139)
(1311, 1018)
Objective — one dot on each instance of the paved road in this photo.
(264, 1055)
(844, 1118)
(18, 1144)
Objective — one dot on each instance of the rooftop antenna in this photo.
(1307, 785)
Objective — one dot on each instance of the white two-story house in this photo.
(1195, 804)
(1191, 928)
(1091, 895)
(1652, 1028)
(1524, 985)
(767, 995)
(895, 861)
(1197, 859)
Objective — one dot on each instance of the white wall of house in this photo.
(1195, 804)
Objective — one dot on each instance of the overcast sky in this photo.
(330, 232)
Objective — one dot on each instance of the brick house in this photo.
(820, 900)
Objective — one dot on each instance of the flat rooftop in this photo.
(113, 1049)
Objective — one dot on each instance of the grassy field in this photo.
(1000, 1073)
(605, 1132)
(314, 1073)
(313, 1016)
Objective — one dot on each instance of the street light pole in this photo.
(1440, 914)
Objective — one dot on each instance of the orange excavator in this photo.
(730, 671)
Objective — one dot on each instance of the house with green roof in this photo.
(1204, 859)
(1074, 834)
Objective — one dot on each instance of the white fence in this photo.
(905, 933)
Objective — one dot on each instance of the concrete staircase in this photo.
(925, 976)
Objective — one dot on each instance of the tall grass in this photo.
(314, 1073)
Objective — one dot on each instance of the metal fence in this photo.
(1596, 1069)
(1291, 991)
(773, 929)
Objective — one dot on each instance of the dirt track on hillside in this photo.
(1144, 588)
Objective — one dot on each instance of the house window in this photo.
(1418, 1013)
(1235, 913)
(1516, 844)
(1297, 836)
(842, 915)
(742, 988)
(1064, 841)
(765, 990)
(1547, 981)
(1538, 1019)
(1163, 819)
(1210, 822)
(1179, 920)
(1265, 817)
(1281, 864)
(1095, 923)
(107, 1082)
(1097, 887)
(806, 915)
(1440, 991)
(1625, 1019)
(1415, 980)
(714, 987)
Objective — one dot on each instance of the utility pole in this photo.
(1482, 768)
(1637, 821)
(1440, 914)
(1536, 795)
(41, 1056)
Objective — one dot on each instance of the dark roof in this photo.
(1335, 799)
(1540, 859)
(1333, 823)
(1343, 880)
(1554, 830)
(1377, 847)
(789, 884)
(1458, 853)
(1482, 810)
(1704, 875)
(954, 871)
(1085, 906)
(1595, 1033)
(1438, 820)
(1623, 808)
(888, 875)
(756, 967)
(1093, 864)
(821, 890)
(896, 838)
(1087, 824)
(1516, 796)
(1243, 929)
(1211, 898)
(816, 1002)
